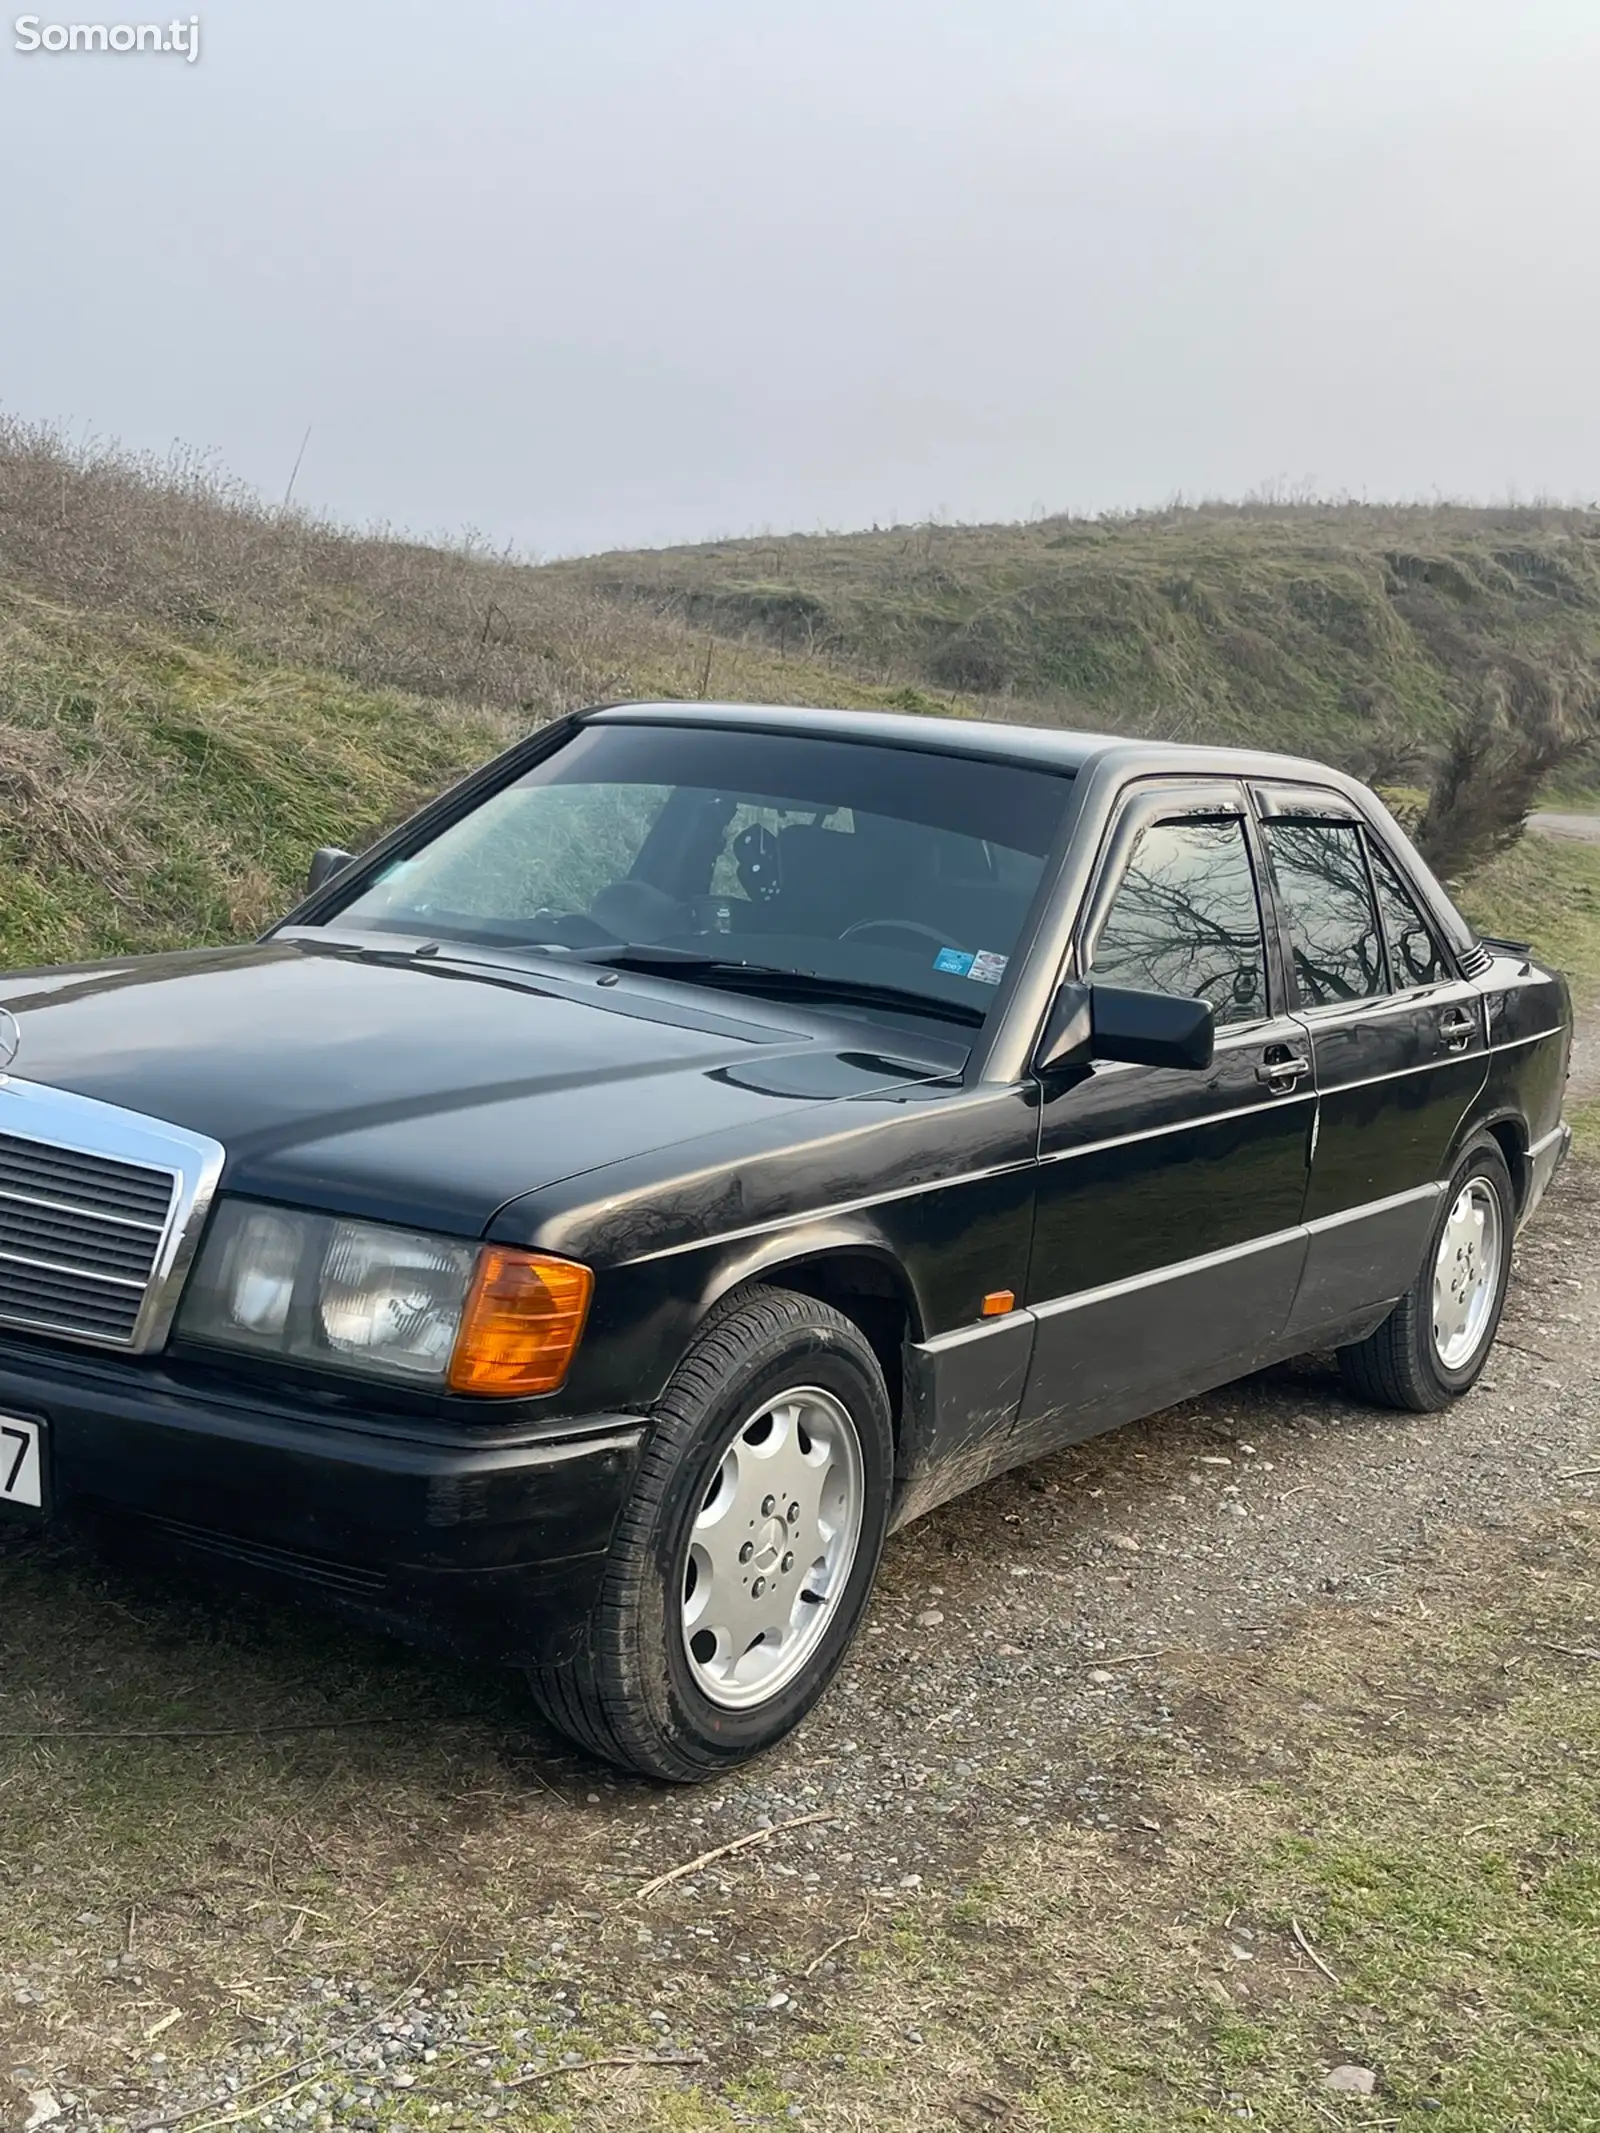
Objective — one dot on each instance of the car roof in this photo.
(1041, 747)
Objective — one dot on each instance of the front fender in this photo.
(856, 1240)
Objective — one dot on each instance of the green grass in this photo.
(1584, 1119)
(1545, 890)
(163, 794)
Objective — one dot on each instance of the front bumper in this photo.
(489, 1547)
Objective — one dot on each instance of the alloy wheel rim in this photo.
(772, 1546)
(1466, 1274)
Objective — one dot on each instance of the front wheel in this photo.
(743, 1560)
(1435, 1342)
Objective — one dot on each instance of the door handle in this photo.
(1457, 1026)
(1280, 1069)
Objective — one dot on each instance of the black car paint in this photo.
(422, 1091)
(683, 1142)
(491, 1546)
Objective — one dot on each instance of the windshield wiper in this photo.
(650, 955)
(772, 978)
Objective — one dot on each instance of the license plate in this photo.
(21, 1465)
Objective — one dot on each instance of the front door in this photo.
(1167, 1238)
(1398, 1043)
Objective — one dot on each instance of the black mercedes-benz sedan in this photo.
(708, 1137)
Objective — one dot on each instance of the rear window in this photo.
(1321, 872)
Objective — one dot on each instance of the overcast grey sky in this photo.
(588, 273)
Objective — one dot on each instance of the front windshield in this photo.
(845, 860)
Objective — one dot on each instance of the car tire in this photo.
(662, 1691)
(1435, 1342)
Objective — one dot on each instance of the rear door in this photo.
(1167, 1240)
(1397, 1040)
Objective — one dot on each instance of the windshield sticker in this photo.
(984, 968)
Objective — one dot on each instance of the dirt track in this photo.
(1584, 828)
(1020, 1641)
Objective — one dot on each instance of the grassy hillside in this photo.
(195, 693)
(196, 690)
(154, 791)
(1350, 631)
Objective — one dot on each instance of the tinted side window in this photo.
(1186, 919)
(1414, 955)
(1327, 900)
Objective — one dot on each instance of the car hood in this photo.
(428, 1092)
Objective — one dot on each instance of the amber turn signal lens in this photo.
(522, 1323)
(998, 1302)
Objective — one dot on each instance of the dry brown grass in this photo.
(178, 545)
(197, 689)
(76, 815)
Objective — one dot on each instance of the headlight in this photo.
(265, 1258)
(391, 1302)
(393, 1299)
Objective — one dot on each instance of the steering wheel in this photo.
(898, 925)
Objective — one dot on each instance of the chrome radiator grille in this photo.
(99, 1213)
(79, 1239)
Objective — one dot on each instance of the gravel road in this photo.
(1585, 828)
(1017, 1638)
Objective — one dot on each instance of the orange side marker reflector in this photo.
(998, 1302)
(522, 1323)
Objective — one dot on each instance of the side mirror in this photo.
(326, 861)
(1156, 1029)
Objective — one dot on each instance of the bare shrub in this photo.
(1526, 724)
(1387, 750)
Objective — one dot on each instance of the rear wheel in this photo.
(1433, 1345)
(743, 1560)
